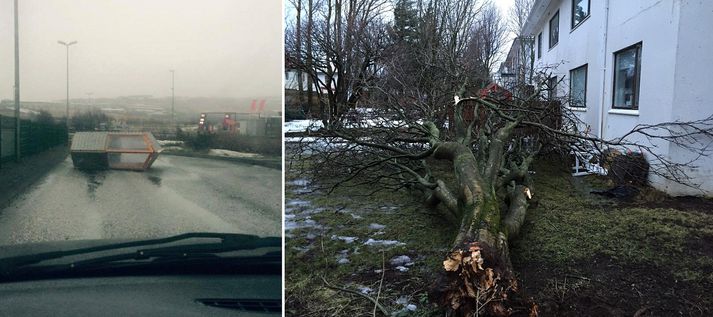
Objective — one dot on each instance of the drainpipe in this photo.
(604, 70)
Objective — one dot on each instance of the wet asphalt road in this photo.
(177, 195)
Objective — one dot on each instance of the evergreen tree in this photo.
(405, 21)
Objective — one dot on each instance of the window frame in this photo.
(552, 89)
(637, 75)
(539, 45)
(589, 12)
(586, 74)
(557, 40)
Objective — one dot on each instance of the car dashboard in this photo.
(169, 295)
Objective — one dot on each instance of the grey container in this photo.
(115, 150)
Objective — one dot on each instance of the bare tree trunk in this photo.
(298, 45)
(478, 276)
(310, 81)
(339, 67)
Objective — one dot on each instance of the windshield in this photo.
(132, 120)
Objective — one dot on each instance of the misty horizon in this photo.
(218, 49)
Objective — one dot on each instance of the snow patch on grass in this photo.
(303, 125)
(383, 243)
(345, 239)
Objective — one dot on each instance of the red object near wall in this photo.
(494, 91)
(491, 91)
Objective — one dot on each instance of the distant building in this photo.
(292, 80)
(515, 71)
(624, 63)
(292, 102)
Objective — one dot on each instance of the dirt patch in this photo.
(606, 287)
(703, 245)
(683, 203)
(587, 255)
(642, 196)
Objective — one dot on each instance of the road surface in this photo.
(177, 195)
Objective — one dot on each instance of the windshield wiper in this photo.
(228, 243)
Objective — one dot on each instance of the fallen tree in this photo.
(490, 148)
(412, 127)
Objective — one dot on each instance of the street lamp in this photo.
(67, 45)
(173, 112)
(17, 88)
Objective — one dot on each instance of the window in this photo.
(578, 87)
(555, 29)
(580, 11)
(539, 45)
(552, 88)
(627, 70)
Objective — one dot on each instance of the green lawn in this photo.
(579, 254)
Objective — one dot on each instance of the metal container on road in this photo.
(116, 150)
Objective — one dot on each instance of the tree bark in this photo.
(477, 276)
(298, 44)
(310, 81)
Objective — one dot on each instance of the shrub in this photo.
(629, 169)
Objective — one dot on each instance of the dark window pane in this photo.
(554, 29)
(626, 78)
(539, 45)
(580, 10)
(578, 87)
(552, 87)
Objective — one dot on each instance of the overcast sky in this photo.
(219, 48)
(504, 8)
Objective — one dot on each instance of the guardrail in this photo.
(35, 137)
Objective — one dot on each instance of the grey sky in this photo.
(219, 48)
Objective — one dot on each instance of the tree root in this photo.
(476, 282)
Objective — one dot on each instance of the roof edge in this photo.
(538, 9)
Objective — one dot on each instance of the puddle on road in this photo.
(94, 180)
(155, 180)
(154, 175)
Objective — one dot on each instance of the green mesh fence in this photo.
(35, 137)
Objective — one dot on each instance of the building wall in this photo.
(676, 67)
(576, 47)
(693, 85)
(631, 22)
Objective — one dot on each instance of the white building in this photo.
(292, 81)
(632, 62)
(514, 70)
